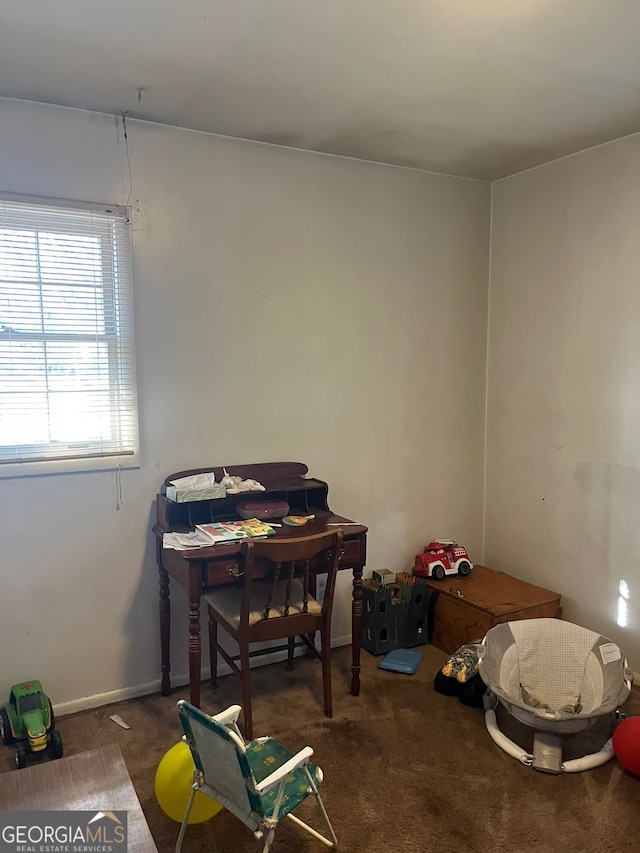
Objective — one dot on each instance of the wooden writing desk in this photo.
(198, 570)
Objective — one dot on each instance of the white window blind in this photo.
(67, 368)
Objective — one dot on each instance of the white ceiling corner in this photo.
(463, 87)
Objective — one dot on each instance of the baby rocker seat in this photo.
(557, 678)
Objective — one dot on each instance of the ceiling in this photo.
(476, 88)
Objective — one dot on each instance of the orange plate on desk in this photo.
(297, 520)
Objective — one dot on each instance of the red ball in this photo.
(626, 744)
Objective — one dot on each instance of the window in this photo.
(67, 371)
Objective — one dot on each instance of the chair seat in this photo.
(274, 600)
(227, 602)
(264, 756)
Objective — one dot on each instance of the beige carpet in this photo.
(406, 769)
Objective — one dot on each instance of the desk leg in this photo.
(165, 632)
(195, 650)
(356, 629)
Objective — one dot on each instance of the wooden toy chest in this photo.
(464, 608)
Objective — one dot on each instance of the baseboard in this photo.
(98, 700)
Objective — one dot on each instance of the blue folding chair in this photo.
(260, 781)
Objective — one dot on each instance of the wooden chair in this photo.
(259, 781)
(274, 600)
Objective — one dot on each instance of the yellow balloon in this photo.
(173, 781)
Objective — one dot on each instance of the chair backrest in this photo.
(219, 754)
(283, 569)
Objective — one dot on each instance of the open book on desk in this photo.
(231, 531)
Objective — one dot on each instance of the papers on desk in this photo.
(184, 541)
(206, 535)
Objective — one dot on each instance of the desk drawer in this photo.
(218, 572)
(352, 555)
(352, 552)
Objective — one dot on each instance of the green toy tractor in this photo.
(27, 720)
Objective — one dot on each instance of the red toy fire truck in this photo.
(440, 558)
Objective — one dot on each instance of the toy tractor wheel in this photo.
(438, 573)
(464, 568)
(5, 728)
(57, 749)
(22, 752)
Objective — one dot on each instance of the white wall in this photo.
(563, 437)
(289, 306)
